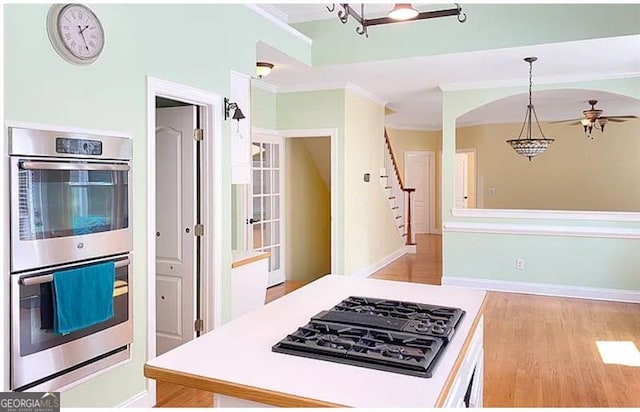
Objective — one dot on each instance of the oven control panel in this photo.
(78, 146)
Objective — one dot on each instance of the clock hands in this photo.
(82, 34)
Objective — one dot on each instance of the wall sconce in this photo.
(228, 106)
(237, 114)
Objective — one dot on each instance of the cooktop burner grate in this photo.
(373, 348)
(394, 336)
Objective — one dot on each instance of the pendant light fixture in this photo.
(402, 11)
(530, 147)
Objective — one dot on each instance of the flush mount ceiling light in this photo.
(529, 146)
(400, 12)
(263, 69)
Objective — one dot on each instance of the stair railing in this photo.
(399, 192)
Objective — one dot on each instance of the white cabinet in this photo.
(249, 273)
(240, 131)
(470, 375)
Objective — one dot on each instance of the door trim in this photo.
(432, 184)
(336, 220)
(211, 123)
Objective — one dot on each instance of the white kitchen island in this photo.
(236, 363)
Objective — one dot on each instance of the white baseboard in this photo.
(582, 292)
(142, 400)
(371, 269)
(410, 249)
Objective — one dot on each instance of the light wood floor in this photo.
(539, 351)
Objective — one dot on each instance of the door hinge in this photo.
(198, 325)
(198, 134)
(199, 229)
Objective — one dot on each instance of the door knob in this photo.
(252, 221)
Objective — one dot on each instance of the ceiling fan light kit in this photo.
(530, 147)
(400, 12)
(593, 119)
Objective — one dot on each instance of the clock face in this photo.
(76, 33)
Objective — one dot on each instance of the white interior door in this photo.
(417, 171)
(462, 185)
(175, 220)
(266, 203)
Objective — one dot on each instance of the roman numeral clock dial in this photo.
(75, 33)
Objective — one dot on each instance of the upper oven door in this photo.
(66, 210)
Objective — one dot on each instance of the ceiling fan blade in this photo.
(614, 120)
(565, 121)
(621, 117)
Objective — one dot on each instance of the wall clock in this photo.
(75, 33)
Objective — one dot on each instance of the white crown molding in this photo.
(275, 12)
(548, 214)
(573, 78)
(283, 25)
(259, 84)
(583, 292)
(312, 87)
(519, 229)
(365, 94)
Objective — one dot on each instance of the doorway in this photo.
(209, 109)
(178, 222)
(419, 171)
(465, 189)
(308, 207)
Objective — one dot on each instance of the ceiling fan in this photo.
(593, 119)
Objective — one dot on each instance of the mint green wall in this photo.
(263, 109)
(320, 110)
(196, 45)
(575, 261)
(589, 262)
(488, 26)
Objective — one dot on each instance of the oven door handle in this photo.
(36, 280)
(73, 166)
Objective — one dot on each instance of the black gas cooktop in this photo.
(389, 335)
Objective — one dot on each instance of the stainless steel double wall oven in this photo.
(70, 208)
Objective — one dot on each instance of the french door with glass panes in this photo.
(265, 221)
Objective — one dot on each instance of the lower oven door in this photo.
(37, 353)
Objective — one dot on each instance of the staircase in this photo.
(398, 195)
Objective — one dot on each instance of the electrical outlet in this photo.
(520, 264)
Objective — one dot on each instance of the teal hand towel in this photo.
(83, 297)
